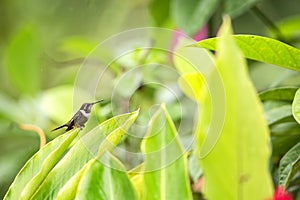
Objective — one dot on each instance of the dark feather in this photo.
(70, 123)
(65, 125)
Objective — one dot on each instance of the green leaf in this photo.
(235, 8)
(192, 85)
(190, 60)
(115, 137)
(281, 94)
(69, 190)
(236, 167)
(277, 114)
(160, 11)
(47, 166)
(296, 106)
(289, 165)
(106, 182)
(284, 136)
(290, 26)
(84, 150)
(23, 61)
(262, 49)
(38, 166)
(165, 168)
(98, 181)
(191, 15)
(136, 177)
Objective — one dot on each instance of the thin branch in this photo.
(36, 129)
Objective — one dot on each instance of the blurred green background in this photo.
(43, 43)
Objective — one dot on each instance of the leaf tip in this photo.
(226, 26)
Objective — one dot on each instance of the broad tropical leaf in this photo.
(97, 180)
(165, 168)
(38, 166)
(47, 172)
(234, 157)
(262, 49)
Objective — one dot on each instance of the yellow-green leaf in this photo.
(165, 168)
(236, 167)
(192, 84)
(114, 138)
(296, 106)
(97, 180)
(83, 150)
(262, 49)
(38, 166)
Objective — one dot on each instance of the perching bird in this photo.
(80, 117)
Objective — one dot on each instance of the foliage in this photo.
(229, 127)
(236, 146)
(262, 49)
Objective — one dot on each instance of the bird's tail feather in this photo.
(65, 125)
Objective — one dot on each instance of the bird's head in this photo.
(87, 107)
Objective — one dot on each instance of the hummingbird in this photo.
(80, 117)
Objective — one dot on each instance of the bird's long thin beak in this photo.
(98, 101)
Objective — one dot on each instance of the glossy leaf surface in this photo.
(262, 49)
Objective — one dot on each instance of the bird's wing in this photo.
(70, 124)
(74, 119)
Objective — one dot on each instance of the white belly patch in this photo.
(87, 115)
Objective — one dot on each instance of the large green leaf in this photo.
(39, 165)
(165, 168)
(84, 150)
(98, 181)
(191, 15)
(237, 165)
(262, 49)
(281, 94)
(192, 84)
(289, 165)
(23, 61)
(296, 106)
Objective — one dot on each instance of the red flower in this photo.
(281, 194)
